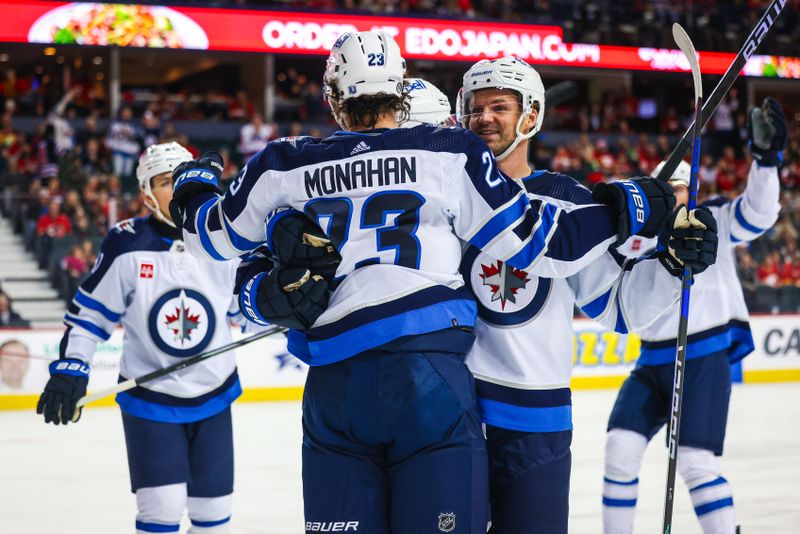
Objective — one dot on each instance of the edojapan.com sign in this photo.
(284, 32)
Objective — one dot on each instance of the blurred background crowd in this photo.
(67, 164)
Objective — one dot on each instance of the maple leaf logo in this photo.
(503, 281)
(182, 323)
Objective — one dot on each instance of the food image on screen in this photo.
(118, 25)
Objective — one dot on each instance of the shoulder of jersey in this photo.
(557, 185)
(131, 235)
(434, 139)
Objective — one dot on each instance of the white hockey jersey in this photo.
(395, 203)
(522, 356)
(171, 306)
(718, 318)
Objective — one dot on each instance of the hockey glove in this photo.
(67, 384)
(766, 133)
(192, 178)
(287, 296)
(642, 205)
(690, 239)
(298, 242)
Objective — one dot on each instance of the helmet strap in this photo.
(519, 137)
(151, 204)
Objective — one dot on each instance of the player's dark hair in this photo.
(366, 109)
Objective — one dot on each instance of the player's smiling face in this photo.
(493, 117)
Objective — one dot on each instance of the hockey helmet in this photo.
(155, 160)
(428, 104)
(682, 174)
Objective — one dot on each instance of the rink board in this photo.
(601, 359)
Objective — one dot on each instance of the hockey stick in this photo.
(133, 382)
(712, 103)
(686, 46)
(560, 93)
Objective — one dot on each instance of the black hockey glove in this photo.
(642, 205)
(67, 384)
(192, 178)
(766, 133)
(298, 242)
(287, 296)
(689, 239)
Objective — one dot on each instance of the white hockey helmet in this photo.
(364, 63)
(155, 160)
(428, 104)
(682, 174)
(508, 72)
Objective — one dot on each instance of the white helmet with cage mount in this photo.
(508, 72)
(155, 160)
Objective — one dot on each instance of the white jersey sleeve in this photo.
(754, 211)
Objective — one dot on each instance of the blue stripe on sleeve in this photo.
(619, 503)
(715, 482)
(208, 524)
(501, 221)
(712, 506)
(86, 301)
(202, 230)
(156, 527)
(538, 242)
(89, 327)
(596, 307)
(525, 419)
(239, 241)
(743, 222)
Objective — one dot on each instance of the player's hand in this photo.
(297, 241)
(192, 178)
(642, 205)
(690, 239)
(286, 296)
(766, 133)
(67, 384)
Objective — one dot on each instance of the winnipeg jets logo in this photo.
(182, 322)
(503, 281)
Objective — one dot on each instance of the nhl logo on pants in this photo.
(447, 522)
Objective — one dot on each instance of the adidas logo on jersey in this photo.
(360, 147)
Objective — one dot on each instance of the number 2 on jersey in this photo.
(400, 236)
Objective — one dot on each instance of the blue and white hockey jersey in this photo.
(171, 306)
(522, 356)
(718, 318)
(394, 203)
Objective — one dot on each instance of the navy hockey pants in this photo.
(393, 444)
(529, 480)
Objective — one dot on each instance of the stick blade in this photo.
(685, 44)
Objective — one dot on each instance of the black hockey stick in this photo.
(133, 382)
(560, 93)
(686, 46)
(750, 45)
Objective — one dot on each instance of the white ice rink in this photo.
(74, 480)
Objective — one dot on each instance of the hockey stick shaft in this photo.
(676, 405)
(133, 382)
(724, 85)
(559, 93)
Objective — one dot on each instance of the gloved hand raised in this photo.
(689, 239)
(192, 178)
(642, 205)
(766, 133)
(67, 384)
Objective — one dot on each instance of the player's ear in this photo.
(529, 123)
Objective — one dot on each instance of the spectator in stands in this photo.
(74, 269)
(151, 128)
(254, 136)
(14, 363)
(93, 158)
(123, 142)
(51, 225)
(8, 317)
(241, 108)
(746, 269)
(63, 133)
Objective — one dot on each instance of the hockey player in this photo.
(719, 335)
(171, 306)
(428, 104)
(522, 356)
(392, 436)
